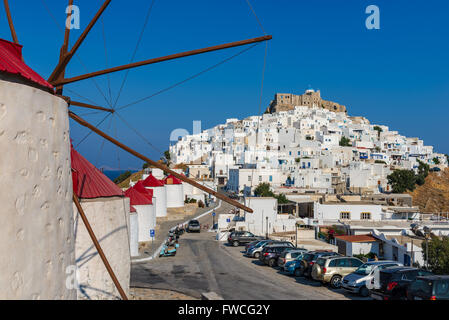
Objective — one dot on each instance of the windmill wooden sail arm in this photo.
(158, 60)
(216, 194)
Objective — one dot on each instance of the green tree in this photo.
(423, 172)
(263, 190)
(122, 177)
(438, 254)
(436, 160)
(402, 180)
(379, 130)
(447, 157)
(345, 142)
(145, 165)
(282, 199)
(167, 158)
(298, 160)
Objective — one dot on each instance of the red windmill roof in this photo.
(89, 182)
(171, 179)
(137, 198)
(151, 182)
(11, 62)
(139, 186)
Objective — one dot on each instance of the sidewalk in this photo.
(151, 250)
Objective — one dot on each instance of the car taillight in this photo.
(324, 270)
(265, 254)
(391, 285)
(385, 298)
(285, 260)
(433, 298)
(311, 263)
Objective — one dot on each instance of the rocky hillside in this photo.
(134, 177)
(433, 196)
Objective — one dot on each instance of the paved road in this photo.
(203, 264)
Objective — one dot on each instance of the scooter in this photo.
(166, 251)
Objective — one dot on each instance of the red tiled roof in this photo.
(11, 62)
(132, 209)
(139, 186)
(171, 179)
(151, 182)
(137, 198)
(357, 238)
(89, 182)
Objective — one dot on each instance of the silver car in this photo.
(289, 255)
(193, 226)
(255, 252)
(356, 282)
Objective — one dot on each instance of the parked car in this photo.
(393, 282)
(309, 259)
(429, 288)
(193, 226)
(238, 238)
(332, 269)
(270, 254)
(291, 267)
(289, 255)
(356, 282)
(251, 245)
(257, 250)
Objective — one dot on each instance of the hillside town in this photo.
(307, 149)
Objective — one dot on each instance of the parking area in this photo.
(203, 264)
(276, 274)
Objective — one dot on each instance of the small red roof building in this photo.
(139, 186)
(357, 238)
(89, 182)
(11, 62)
(137, 198)
(171, 179)
(152, 182)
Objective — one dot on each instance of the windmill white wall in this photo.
(133, 234)
(146, 220)
(175, 195)
(109, 219)
(36, 236)
(160, 193)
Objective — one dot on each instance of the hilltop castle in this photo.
(311, 98)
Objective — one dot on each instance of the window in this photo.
(260, 178)
(345, 215)
(365, 216)
(249, 178)
(271, 178)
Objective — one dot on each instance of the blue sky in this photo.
(396, 76)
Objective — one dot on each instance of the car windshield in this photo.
(194, 222)
(364, 269)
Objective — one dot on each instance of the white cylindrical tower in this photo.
(175, 192)
(36, 233)
(159, 192)
(108, 211)
(133, 233)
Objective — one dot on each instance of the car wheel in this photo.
(364, 292)
(235, 243)
(299, 272)
(256, 255)
(336, 282)
(271, 262)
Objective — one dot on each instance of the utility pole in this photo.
(296, 238)
(267, 226)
